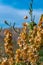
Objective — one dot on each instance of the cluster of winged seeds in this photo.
(30, 43)
(8, 48)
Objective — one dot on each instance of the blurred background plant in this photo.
(11, 26)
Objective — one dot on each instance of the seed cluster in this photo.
(30, 43)
(8, 48)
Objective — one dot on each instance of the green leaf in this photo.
(41, 58)
(31, 25)
(41, 52)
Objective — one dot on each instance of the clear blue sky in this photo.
(15, 10)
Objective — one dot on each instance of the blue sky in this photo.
(15, 10)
